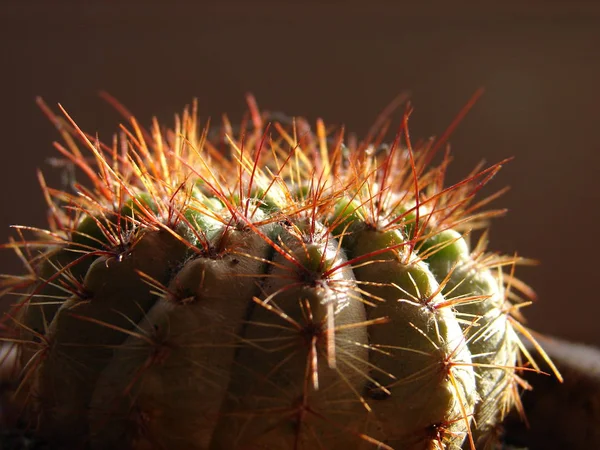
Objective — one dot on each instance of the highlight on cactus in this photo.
(272, 285)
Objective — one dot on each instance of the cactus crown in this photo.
(274, 288)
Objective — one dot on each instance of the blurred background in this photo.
(344, 61)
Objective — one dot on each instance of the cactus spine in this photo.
(271, 289)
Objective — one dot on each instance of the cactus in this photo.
(272, 288)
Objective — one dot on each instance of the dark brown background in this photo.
(539, 63)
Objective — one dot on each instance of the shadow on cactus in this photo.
(268, 288)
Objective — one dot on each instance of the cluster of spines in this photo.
(315, 191)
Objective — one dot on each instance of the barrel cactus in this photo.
(265, 286)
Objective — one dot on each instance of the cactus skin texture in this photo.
(276, 288)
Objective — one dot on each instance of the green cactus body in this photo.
(284, 295)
